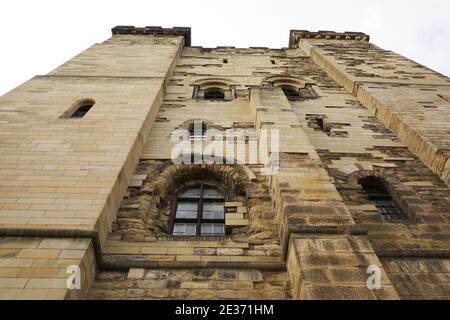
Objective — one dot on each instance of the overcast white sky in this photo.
(39, 35)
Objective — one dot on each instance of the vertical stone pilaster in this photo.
(35, 268)
(309, 211)
(335, 267)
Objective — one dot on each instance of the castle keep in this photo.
(88, 181)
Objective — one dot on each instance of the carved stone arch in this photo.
(146, 213)
(357, 174)
(233, 177)
(225, 87)
(206, 83)
(280, 80)
(231, 180)
(302, 88)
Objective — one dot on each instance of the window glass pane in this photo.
(184, 229)
(212, 193)
(213, 211)
(187, 210)
(213, 229)
(388, 210)
(191, 193)
(207, 228)
(219, 228)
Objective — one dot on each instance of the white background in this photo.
(39, 35)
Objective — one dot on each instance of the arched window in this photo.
(213, 89)
(377, 193)
(290, 92)
(214, 94)
(295, 89)
(197, 130)
(199, 211)
(81, 111)
(81, 108)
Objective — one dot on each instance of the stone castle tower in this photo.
(88, 181)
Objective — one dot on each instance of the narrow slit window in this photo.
(79, 109)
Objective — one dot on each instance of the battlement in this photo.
(152, 30)
(296, 35)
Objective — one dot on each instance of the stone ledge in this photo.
(155, 31)
(125, 262)
(296, 35)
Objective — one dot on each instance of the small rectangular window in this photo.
(225, 60)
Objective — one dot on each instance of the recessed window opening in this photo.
(290, 92)
(214, 94)
(197, 130)
(380, 197)
(79, 109)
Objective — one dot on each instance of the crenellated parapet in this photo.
(297, 35)
(155, 31)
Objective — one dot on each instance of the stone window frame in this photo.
(304, 88)
(235, 184)
(406, 198)
(189, 125)
(201, 88)
(376, 191)
(146, 210)
(73, 111)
